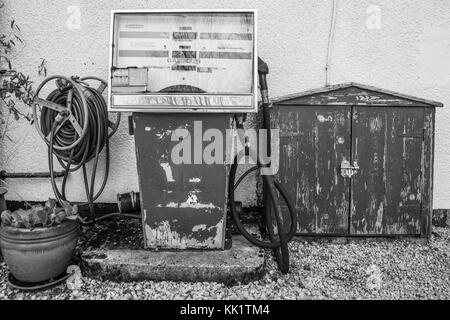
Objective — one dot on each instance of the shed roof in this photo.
(354, 94)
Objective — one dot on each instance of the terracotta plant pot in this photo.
(41, 254)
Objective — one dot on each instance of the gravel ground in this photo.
(358, 269)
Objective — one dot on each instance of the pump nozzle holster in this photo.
(262, 66)
(263, 71)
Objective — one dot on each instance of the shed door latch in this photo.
(347, 170)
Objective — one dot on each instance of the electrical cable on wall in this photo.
(330, 43)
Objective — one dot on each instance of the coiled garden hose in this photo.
(277, 236)
(74, 123)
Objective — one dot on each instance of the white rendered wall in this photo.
(400, 45)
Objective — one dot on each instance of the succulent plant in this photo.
(43, 216)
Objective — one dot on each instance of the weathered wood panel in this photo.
(184, 206)
(427, 169)
(352, 94)
(314, 141)
(387, 192)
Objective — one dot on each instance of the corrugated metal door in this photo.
(313, 143)
(386, 193)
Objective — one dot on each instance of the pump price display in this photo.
(189, 61)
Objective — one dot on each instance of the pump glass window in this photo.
(209, 57)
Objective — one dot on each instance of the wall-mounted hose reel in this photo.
(73, 122)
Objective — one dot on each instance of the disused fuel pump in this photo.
(187, 76)
(183, 75)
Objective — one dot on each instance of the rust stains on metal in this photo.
(184, 205)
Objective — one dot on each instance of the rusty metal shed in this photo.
(385, 138)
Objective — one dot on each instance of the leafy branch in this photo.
(15, 86)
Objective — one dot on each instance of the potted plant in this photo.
(38, 244)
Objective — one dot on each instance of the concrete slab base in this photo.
(243, 263)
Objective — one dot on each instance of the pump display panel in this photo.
(178, 61)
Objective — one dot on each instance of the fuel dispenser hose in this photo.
(278, 237)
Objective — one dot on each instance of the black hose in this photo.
(92, 144)
(277, 236)
(279, 245)
(271, 184)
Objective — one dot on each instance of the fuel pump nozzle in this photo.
(263, 71)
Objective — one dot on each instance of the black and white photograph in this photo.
(224, 155)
